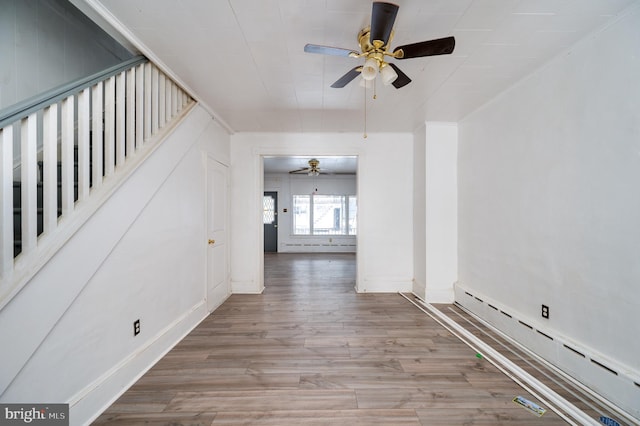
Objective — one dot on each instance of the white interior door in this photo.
(218, 288)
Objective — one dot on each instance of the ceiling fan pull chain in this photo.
(375, 93)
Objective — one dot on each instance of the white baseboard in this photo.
(217, 296)
(317, 248)
(245, 287)
(386, 285)
(419, 289)
(614, 384)
(89, 403)
(441, 295)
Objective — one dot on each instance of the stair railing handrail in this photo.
(76, 143)
(22, 109)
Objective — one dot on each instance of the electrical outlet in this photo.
(545, 311)
(136, 327)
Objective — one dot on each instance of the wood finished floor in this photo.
(310, 351)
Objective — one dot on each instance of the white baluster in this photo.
(131, 113)
(162, 101)
(120, 119)
(178, 99)
(174, 99)
(140, 118)
(154, 100)
(109, 126)
(96, 135)
(168, 100)
(148, 113)
(29, 178)
(50, 168)
(68, 162)
(6, 204)
(83, 144)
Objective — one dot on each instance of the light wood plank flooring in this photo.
(310, 351)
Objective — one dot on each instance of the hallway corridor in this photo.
(310, 351)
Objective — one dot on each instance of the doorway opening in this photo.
(310, 206)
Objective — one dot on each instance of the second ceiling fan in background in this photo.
(374, 45)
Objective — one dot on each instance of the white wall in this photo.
(549, 201)
(441, 211)
(385, 259)
(419, 213)
(68, 336)
(435, 211)
(286, 186)
(44, 44)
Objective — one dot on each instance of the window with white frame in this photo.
(301, 214)
(324, 214)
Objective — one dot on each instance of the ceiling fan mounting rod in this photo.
(367, 46)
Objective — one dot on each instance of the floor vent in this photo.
(468, 294)
(492, 307)
(545, 335)
(575, 351)
(610, 370)
(506, 314)
(478, 299)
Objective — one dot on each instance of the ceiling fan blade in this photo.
(346, 79)
(402, 79)
(338, 173)
(383, 15)
(441, 46)
(328, 50)
(305, 170)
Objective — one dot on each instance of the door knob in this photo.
(211, 242)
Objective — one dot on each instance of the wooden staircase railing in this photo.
(58, 148)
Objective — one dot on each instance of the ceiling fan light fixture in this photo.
(370, 69)
(388, 75)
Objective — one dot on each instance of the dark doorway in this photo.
(270, 220)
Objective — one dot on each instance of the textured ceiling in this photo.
(244, 59)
